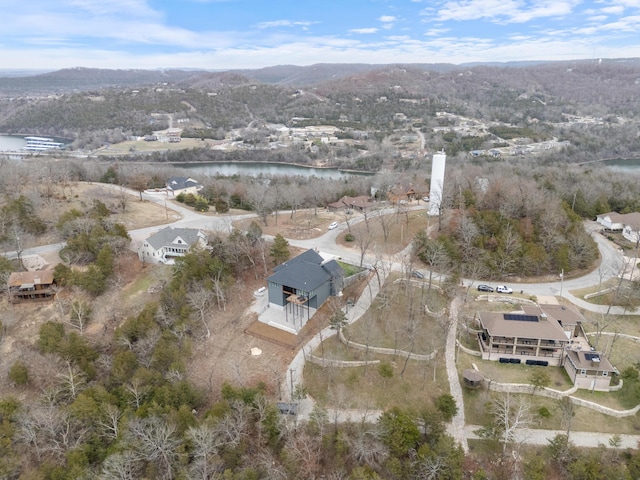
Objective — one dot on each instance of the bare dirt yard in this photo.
(299, 225)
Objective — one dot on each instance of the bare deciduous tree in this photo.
(80, 312)
(74, 379)
(511, 414)
(120, 466)
(200, 298)
(154, 439)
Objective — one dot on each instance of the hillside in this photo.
(592, 106)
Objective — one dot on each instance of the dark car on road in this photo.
(417, 274)
(485, 288)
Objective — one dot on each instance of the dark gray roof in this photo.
(166, 237)
(180, 183)
(310, 256)
(333, 268)
(306, 271)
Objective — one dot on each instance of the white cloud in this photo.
(613, 10)
(387, 18)
(283, 23)
(363, 30)
(510, 11)
(436, 32)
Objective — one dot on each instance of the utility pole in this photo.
(561, 280)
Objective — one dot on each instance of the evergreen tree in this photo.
(280, 249)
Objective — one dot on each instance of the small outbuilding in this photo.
(472, 378)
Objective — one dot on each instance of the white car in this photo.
(503, 289)
(333, 225)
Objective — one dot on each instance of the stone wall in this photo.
(556, 394)
(386, 351)
(327, 362)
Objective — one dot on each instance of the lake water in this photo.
(255, 169)
(624, 164)
(16, 143)
(12, 143)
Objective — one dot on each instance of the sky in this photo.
(229, 34)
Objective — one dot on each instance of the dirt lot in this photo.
(300, 225)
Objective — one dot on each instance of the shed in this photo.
(472, 378)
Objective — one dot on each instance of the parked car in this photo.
(425, 199)
(333, 225)
(417, 274)
(503, 289)
(485, 288)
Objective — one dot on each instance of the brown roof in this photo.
(472, 375)
(632, 219)
(583, 360)
(545, 328)
(358, 202)
(44, 277)
(565, 314)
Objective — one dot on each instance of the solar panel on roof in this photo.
(520, 318)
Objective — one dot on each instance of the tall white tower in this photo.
(437, 182)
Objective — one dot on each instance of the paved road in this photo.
(456, 428)
(533, 436)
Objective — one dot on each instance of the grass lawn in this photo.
(585, 419)
(151, 276)
(129, 146)
(366, 388)
(621, 293)
(514, 373)
(397, 319)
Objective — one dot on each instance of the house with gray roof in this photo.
(169, 243)
(178, 185)
(299, 287)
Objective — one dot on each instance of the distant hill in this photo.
(86, 79)
(215, 80)
(14, 82)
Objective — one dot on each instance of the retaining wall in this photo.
(386, 351)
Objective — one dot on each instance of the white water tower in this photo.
(437, 182)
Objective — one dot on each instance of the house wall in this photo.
(322, 293)
(146, 253)
(275, 295)
(630, 234)
(607, 223)
(586, 381)
(193, 190)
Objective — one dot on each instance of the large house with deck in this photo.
(31, 286)
(300, 286)
(169, 243)
(544, 335)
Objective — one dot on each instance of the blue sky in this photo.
(224, 34)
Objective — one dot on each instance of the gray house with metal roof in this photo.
(300, 286)
(169, 243)
(178, 185)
